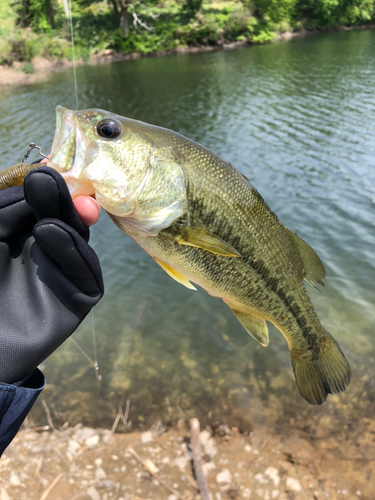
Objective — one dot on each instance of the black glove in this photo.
(50, 277)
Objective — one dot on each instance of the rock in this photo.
(100, 473)
(146, 437)
(36, 449)
(292, 484)
(207, 467)
(246, 493)
(210, 448)
(260, 492)
(106, 483)
(275, 493)
(172, 497)
(98, 462)
(93, 493)
(247, 448)
(261, 478)
(204, 436)
(181, 462)
(273, 474)
(107, 436)
(4, 495)
(92, 441)
(84, 433)
(224, 477)
(15, 479)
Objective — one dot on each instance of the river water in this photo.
(297, 118)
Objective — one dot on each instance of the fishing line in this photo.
(82, 351)
(73, 53)
(96, 366)
(68, 12)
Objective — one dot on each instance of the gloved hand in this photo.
(50, 277)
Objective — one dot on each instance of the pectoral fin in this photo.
(185, 235)
(176, 275)
(256, 327)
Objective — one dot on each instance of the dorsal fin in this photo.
(313, 268)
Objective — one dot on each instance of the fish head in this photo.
(129, 166)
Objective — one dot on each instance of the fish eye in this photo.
(109, 129)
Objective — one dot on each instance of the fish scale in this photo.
(203, 222)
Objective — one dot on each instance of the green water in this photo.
(297, 118)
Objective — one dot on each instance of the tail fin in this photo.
(327, 374)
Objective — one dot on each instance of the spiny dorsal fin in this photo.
(246, 178)
(313, 268)
(256, 327)
(176, 275)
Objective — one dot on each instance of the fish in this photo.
(204, 224)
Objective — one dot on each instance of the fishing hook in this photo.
(31, 147)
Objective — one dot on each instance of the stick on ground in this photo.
(197, 459)
(153, 474)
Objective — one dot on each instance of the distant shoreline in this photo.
(10, 76)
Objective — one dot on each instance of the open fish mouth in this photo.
(72, 151)
(64, 126)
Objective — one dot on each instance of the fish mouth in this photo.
(72, 151)
(64, 126)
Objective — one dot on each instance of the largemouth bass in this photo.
(203, 222)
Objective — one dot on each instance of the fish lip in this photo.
(72, 151)
(65, 123)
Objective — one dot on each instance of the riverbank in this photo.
(94, 464)
(43, 67)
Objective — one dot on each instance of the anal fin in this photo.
(176, 275)
(256, 327)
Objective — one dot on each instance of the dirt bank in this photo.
(44, 67)
(94, 464)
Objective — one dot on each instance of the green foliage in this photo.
(237, 24)
(39, 27)
(193, 6)
(53, 48)
(28, 68)
(360, 12)
(263, 36)
(327, 13)
(37, 14)
(275, 11)
(22, 47)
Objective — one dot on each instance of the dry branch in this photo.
(144, 464)
(197, 459)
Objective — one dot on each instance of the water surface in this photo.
(297, 118)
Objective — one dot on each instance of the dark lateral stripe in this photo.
(221, 227)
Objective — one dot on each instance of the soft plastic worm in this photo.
(13, 176)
